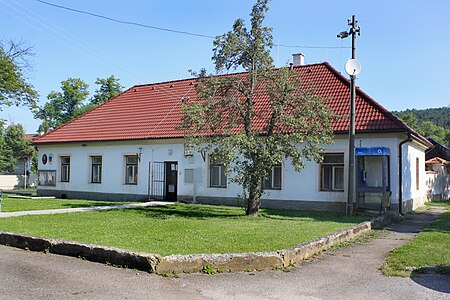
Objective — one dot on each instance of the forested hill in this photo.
(439, 116)
(434, 122)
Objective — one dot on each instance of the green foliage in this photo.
(439, 116)
(432, 122)
(14, 88)
(228, 120)
(17, 142)
(208, 270)
(109, 88)
(7, 159)
(71, 101)
(13, 145)
(63, 106)
(184, 229)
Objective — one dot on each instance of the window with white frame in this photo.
(65, 168)
(217, 175)
(332, 172)
(96, 169)
(131, 169)
(273, 181)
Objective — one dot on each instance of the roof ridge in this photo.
(218, 75)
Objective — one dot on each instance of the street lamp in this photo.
(352, 67)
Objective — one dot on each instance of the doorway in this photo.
(163, 181)
(171, 177)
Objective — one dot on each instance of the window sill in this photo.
(332, 191)
(217, 187)
(130, 183)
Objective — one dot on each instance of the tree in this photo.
(71, 101)
(63, 106)
(14, 88)
(7, 159)
(229, 121)
(14, 145)
(411, 119)
(109, 88)
(426, 128)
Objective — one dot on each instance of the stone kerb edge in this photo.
(194, 262)
(115, 256)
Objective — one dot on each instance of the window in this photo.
(417, 173)
(332, 172)
(273, 181)
(217, 176)
(131, 169)
(47, 177)
(188, 175)
(96, 170)
(65, 168)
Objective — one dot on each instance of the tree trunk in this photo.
(253, 207)
(254, 198)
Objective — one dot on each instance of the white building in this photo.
(129, 148)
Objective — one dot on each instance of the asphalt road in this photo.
(346, 273)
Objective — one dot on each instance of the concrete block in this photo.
(226, 262)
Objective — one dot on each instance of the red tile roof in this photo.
(437, 160)
(154, 111)
(31, 136)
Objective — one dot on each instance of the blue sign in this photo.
(372, 151)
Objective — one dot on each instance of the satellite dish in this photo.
(352, 67)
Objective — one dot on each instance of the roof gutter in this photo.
(400, 173)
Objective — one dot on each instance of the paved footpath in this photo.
(347, 273)
(80, 209)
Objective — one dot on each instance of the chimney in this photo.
(298, 59)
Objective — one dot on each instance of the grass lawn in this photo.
(16, 204)
(431, 247)
(184, 228)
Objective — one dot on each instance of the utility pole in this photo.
(352, 68)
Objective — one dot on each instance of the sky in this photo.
(403, 48)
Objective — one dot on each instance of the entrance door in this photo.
(171, 168)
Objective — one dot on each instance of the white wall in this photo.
(303, 186)
(113, 164)
(412, 191)
(9, 182)
(438, 183)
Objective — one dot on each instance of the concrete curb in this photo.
(192, 263)
(115, 256)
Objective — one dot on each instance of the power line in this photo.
(168, 29)
(53, 31)
(125, 22)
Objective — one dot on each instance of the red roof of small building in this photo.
(153, 111)
(437, 161)
(31, 136)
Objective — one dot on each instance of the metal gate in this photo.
(156, 181)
